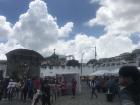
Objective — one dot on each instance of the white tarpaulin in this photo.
(114, 72)
(99, 73)
(105, 72)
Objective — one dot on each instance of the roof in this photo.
(53, 55)
(136, 51)
(24, 52)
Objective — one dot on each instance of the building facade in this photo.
(119, 61)
(54, 61)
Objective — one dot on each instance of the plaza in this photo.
(81, 99)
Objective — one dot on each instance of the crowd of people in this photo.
(44, 90)
(104, 84)
(126, 86)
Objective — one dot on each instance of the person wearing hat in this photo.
(129, 78)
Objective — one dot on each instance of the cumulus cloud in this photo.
(121, 19)
(37, 29)
(6, 47)
(5, 27)
(64, 31)
(118, 15)
(107, 46)
(80, 44)
(5, 34)
(111, 45)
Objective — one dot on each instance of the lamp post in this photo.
(95, 58)
(95, 53)
(82, 62)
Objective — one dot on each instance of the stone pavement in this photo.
(84, 99)
(81, 99)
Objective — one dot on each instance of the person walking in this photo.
(93, 88)
(24, 90)
(1, 89)
(74, 85)
(10, 89)
(45, 93)
(129, 78)
(30, 88)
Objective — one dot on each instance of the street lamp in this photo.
(82, 62)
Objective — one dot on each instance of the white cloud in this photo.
(64, 31)
(118, 15)
(121, 19)
(107, 46)
(6, 47)
(38, 30)
(80, 44)
(111, 45)
(5, 33)
(5, 27)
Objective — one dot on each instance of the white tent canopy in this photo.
(105, 72)
(98, 73)
(116, 71)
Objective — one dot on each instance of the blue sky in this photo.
(77, 11)
(12, 9)
(80, 26)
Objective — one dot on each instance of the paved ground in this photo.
(84, 99)
(81, 99)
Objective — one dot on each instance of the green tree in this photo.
(72, 63)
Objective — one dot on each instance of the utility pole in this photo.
(82, 63)
(95, 59)
(54, 50)
(95, 53)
